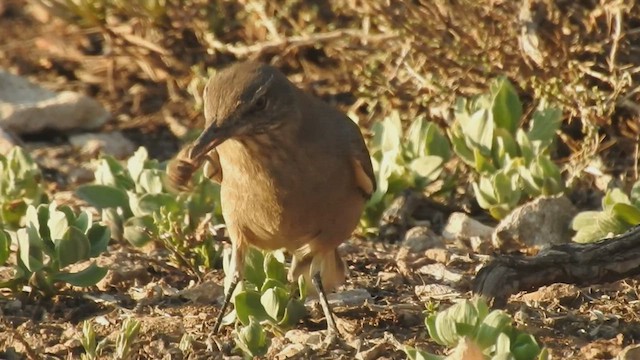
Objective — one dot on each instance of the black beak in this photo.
(211, 137)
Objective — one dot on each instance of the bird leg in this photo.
(227, 300)
(332, 329)
(237, 268)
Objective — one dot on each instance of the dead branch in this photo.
(581, 264)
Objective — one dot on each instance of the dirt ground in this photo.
(146, 91)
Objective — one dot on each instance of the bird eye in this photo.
(260, 103)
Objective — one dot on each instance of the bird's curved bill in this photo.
(211, 137)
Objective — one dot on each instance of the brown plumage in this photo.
(295, 172)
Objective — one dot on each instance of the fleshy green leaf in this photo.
(103, 196)
(5, 242)
(72, 247)
(30, 248)
(87, 277)
(506, 106)
(627, 212)
(247, 303)
(58, 223)
(139, 230)
(274, 269)
(546, 120)
(99, 236)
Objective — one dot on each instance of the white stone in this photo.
(539, 223)
(461, 226)
(28, 108)
(113, 143)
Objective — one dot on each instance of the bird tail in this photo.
(333, 271)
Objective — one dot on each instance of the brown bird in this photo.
(295, 173)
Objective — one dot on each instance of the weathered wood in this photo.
(581, 264)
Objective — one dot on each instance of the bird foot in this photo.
(332, 340)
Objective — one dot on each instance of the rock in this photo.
(114, 144)
(565, 294)
(312, 339)
(435, 291)
(462, 227)
(7, 142)
(467, 233)
(28, 108)
(542, 222)
(353, 297)
(439, 272)
(374, 352)
(421, 238)
(390, 277)
(291, 351)
(206, 292)
(438, 255)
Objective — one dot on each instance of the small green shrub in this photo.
(20, 186)
(487, 135)
(619, 213)
(264, 300)
(401, 160)
(139, 208)
(54, 238)
(491, 333)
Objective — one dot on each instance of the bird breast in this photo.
(280, 195)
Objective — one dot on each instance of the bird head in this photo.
(244, 100)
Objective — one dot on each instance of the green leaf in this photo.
(294, 312)
(302, 287)
(545, 122)
(493, 325)
(72, 247)
(151, 181)
(506, 106)
(247, 303)
(87, 277)
(613, 197)
(83, 221)
(428, 167)
(526, 148)
(478, 131)
(525, 347)
(99, 236)
(415, 354)
(252, 339)
(606, 223)
(271, 283)
(627, 213)
(584, 219)
(503, 346)
(274, 268)
(150, 203)
(57, 223)
(135, 164)
(635, 194)
(505, 147)
(5, 243)
(254, 267)
(460, 146)
(139, 230)
(391, 133)
(112, 218)
(272, 304)
(103, 196)
(30, 248)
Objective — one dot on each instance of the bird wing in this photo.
(212, 168)
(361, 161)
